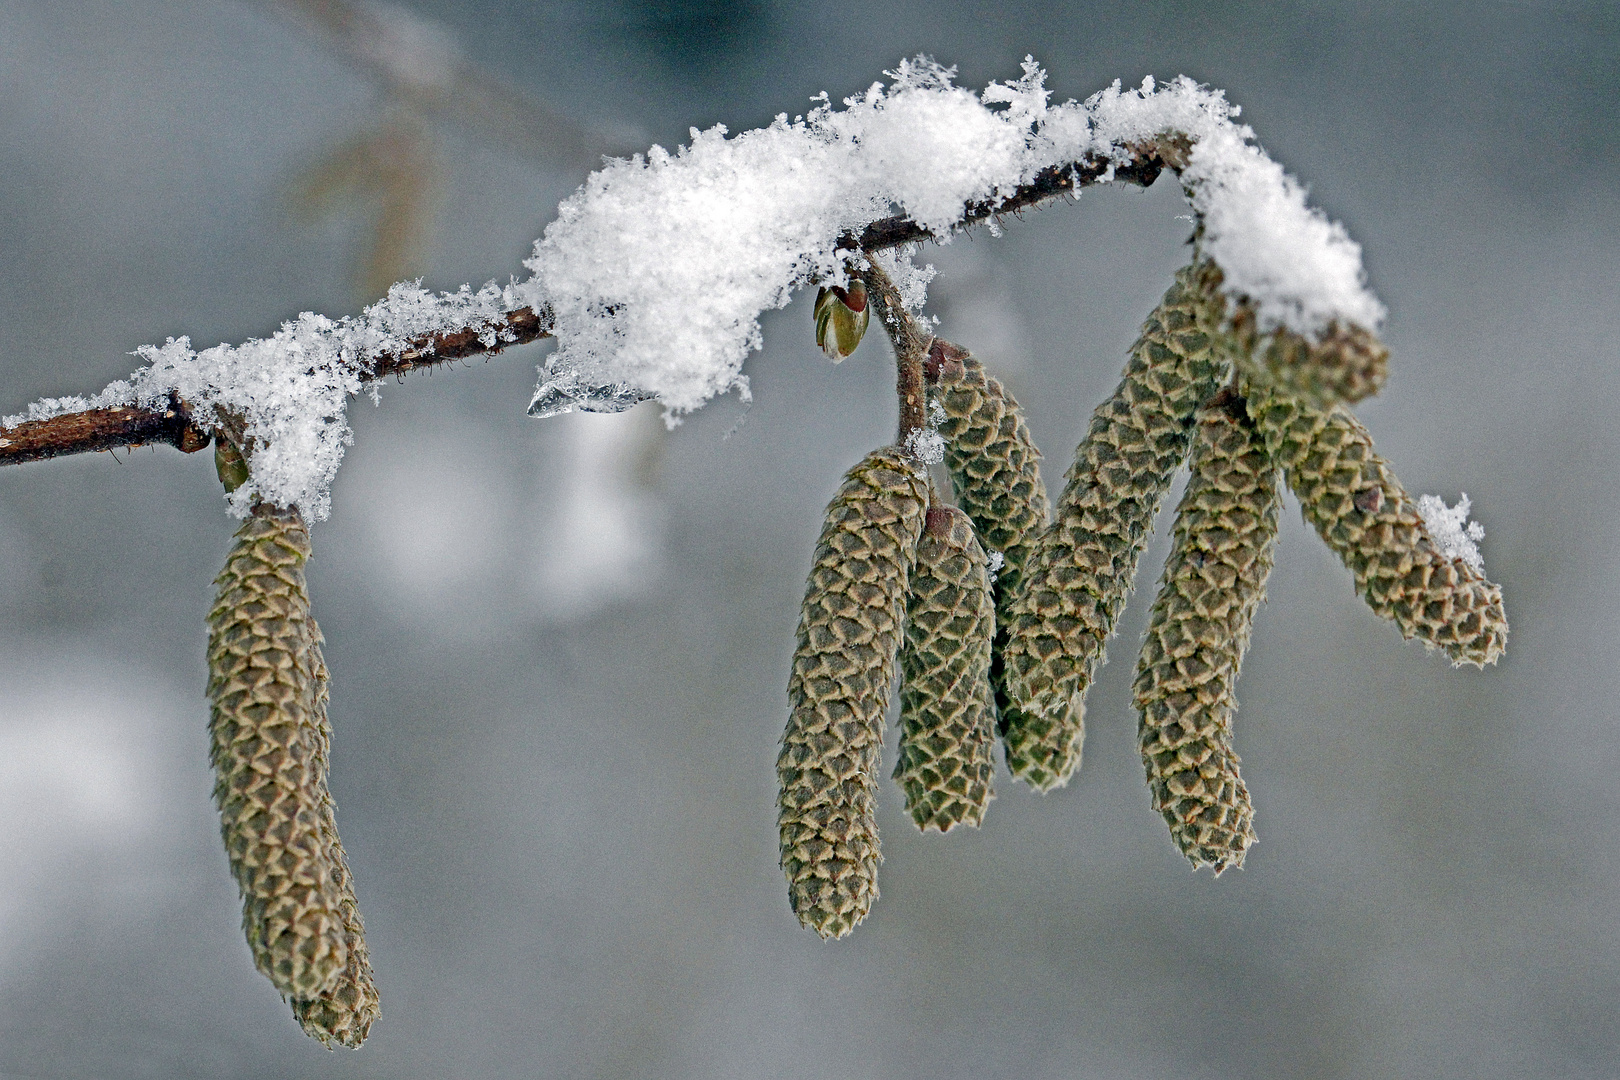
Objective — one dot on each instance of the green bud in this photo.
(229, 463)
(841, 318)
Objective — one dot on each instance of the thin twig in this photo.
(910, 340)
(104, 429)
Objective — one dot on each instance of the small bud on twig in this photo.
(841, 319)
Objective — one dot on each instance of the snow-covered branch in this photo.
(56, 427)
(654, 274)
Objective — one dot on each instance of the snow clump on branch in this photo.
(658, 268)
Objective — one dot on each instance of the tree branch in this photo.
(124, 425)
(910, 343)
(111, 428)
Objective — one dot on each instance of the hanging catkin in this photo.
(1351, 496)
(1186, 678)
(1340, 366)
(1077, 578)
(344, 1013)
(268, 753)
(995, 469)
(843, 669)
(947, 709)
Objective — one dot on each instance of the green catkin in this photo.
(843, 670)
(1186, 677)
(1076, 580)
(1354, 501)
(268, 753)
(344, 1014)
(947, 709)
(1343, 365)
(996, 472)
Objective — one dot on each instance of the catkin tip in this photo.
(1353, 499)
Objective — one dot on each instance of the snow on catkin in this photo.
(1428, 586)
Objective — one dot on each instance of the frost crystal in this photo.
(926, 445)
(910, 280)
(657, 269)
(1454, 535)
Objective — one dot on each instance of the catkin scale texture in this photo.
(343, 1014)
(269, 756)
(1186, 677)
(1343, 365)
(947, 709)
(1352, 498)
(996, 473)
(838, 693)
(1081, 570)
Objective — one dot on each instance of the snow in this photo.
(291, 390)
(657, 270)
(926, 445)
(1300, 270)
(1454, 535)
(910, 280)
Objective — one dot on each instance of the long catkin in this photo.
(1186, 677)
(947, 709)
(1083, 565)
(268, 753)
(1353, 499)
(843, 669)
(996, 473)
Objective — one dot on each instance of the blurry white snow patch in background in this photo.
(436, 527)
(87, 794)
(1454, 534)
(599, 535)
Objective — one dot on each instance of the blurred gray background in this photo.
(559, 647)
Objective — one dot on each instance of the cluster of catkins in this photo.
(899, 576)
(269, 743)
